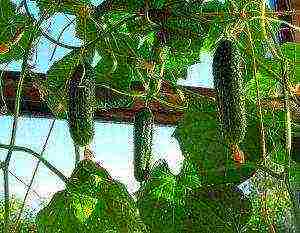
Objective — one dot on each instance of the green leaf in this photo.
(10, 20)
(160, 200)
(86, 28)
(217, 208)
(188, 176)
(275, 123)
(72, 7)
(267, 87)
(291, 52)
(201, 144)
(58, 215)
(120, 62)
(92, 202)
(15, 34)
(56, 85)
(251, 144)
(157, 4)
(84, 206)
(215, 31)
(212, 6)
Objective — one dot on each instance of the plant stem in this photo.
(15, 122)
(59, 36)
(33, 176)
(39, 157)
(13, 136)
(3, 107)
(288, 142)
(262, 129)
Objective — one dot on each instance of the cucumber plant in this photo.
(81, 111)
(228, 84)
(143, 136)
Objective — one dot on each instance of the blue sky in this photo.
(113, 143)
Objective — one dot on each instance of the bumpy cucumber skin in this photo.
(228, 84)
(143, 137)
(81, 114)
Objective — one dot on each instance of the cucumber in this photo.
(143, 136)
(228, 84)
(81, 112)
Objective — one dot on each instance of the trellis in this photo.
(31, 104)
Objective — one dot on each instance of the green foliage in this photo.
(91, 202)
(267, 87)
(212, 6)
(169, 203)
(86, 27)
(251, 144)
(292, 55)
(15, 34)
(67, 6)
(163, 44)
(272, 195)
(161, 200)
(215, 31)
(275, 124)
(199, 141)
(56, 84)
(27, 220)
(217, 208)
(58, 215)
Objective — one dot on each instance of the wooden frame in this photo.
(32, 104)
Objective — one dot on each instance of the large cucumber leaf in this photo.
(91, 202)
(161, 200)
(201, 144)
(179, 206)
(58, 215)
(217, 208)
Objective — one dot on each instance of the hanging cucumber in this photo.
(228, 84)
(143, 136)
(81, 113)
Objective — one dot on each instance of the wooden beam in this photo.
(33, 106)
(296, 19)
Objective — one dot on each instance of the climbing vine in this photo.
(241, 136)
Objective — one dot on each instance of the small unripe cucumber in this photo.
(143, 137)
(81, 114)
(228, 84)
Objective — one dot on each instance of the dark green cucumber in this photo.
(143, 137)
(228, 84)
(81, 114)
